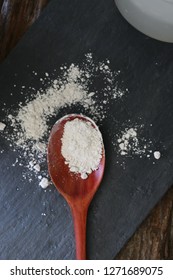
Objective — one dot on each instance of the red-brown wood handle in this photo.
(80, 218)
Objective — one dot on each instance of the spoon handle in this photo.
(80, 218)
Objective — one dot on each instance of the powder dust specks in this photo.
(131, 142)
(28, 127)
(2, 126)
(157, 155)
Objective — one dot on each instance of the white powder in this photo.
(73, 89)
(2, 126)
(31, 163)
(157, 155)
(31, 123)
(82, 147)
(41, 147)
(44, 183)
(33, 116)
(130, 143)
(37, 167)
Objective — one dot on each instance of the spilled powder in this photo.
(129, 142)
(157, 155)
(72, 88)
(2, 126)
(31, 122)
(44, 183)
(27, 128)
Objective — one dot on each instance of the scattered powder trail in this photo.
(31, 122)
(27, 128)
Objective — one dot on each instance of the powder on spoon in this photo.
(82, 147)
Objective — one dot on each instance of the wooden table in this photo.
(154, 238)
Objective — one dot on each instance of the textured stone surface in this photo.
(154, 238)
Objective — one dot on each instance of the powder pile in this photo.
(33, 116)
(82, 147)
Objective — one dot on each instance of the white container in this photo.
(152, 17)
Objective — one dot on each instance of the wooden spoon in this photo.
(77, 191)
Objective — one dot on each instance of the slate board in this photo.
(63, 34)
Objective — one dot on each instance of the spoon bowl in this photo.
(78, 192)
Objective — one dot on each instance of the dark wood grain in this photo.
(154, 238)
(16, 16)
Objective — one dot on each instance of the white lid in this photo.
(152, 17)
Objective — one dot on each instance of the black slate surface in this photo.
(63, 34)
